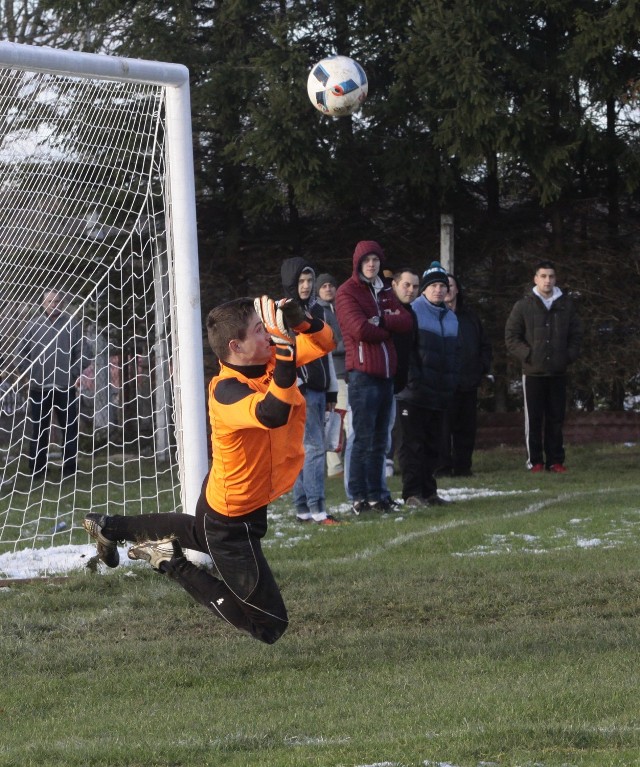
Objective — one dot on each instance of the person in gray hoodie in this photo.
(318, 384)
(52, 350)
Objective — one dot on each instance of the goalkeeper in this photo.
(257, 417)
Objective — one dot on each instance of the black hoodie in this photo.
(316, 375)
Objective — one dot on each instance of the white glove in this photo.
(272, 318)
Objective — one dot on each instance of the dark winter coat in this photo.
(369, 348)
(475, 349)
(546, 341)
(404, 343)
(435, 358)
(338, 352)
(315, 375)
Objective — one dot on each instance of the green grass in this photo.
(503, 630)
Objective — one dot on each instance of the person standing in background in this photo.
(544, 333)
(319, 387)
(406, 285)
(460, 421)
(369, 314)
(54, 352)
(326, 287)
(432, 379)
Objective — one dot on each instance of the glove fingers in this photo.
(281, 324)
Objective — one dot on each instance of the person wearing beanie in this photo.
(544, 333)
(460, 421)
(431, 381)
(369, 314)
(318, 384)
(326, 286)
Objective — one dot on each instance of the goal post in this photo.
(97, 211)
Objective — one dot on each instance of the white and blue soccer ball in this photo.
(337, 86)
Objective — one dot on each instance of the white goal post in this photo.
(102, 406)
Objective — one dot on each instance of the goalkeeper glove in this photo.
(295, 316)
(272, 318)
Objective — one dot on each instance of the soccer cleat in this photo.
(413, 502)
(557, 468)
(536, 468)
(304, 518)
(156, 552)
(357, 507)
(384, 505)
(329, 520)
(107, 550)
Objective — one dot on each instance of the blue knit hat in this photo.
(434, 273)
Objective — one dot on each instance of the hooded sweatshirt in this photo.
(317, 375)
(369, 346)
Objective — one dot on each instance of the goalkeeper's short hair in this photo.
(226, 322)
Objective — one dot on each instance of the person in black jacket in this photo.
(460, 422)
(319, 386)
(544, 332)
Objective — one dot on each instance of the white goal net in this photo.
(101, 387)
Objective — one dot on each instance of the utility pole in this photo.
(446, 242)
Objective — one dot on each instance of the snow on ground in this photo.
(56, 560)
(60, 560)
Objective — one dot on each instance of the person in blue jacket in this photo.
(431, 382)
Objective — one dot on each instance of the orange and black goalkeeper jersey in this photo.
(257, 417)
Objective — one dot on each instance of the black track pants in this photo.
(244, 592)
(545, 407)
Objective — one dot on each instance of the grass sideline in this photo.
(501, 631)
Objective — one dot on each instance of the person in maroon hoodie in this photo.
(369, 314)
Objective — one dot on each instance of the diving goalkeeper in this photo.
(257, 417)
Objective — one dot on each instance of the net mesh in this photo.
(87, 391)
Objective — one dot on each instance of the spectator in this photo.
(369, 314)
(257, 418)
(406, 286)
(326, 286)
(319, 387)
(405, 283)
(54, 353)
(432, 379)
(460, 420)
(544, 332)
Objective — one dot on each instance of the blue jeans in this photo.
(308, 490)
(370, 400)
(386, 494)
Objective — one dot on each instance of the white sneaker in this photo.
(156, 552)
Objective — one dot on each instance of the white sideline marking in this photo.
(434, 529)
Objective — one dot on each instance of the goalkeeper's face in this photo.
(256, 347)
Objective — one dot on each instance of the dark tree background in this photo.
(521, 119)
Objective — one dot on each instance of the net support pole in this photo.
(187, 291)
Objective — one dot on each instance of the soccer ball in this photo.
(337, 86)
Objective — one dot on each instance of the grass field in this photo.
(500, 631)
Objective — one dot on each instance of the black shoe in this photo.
(436, 500)
(357, 507)
(107, 550)
(384, 505)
